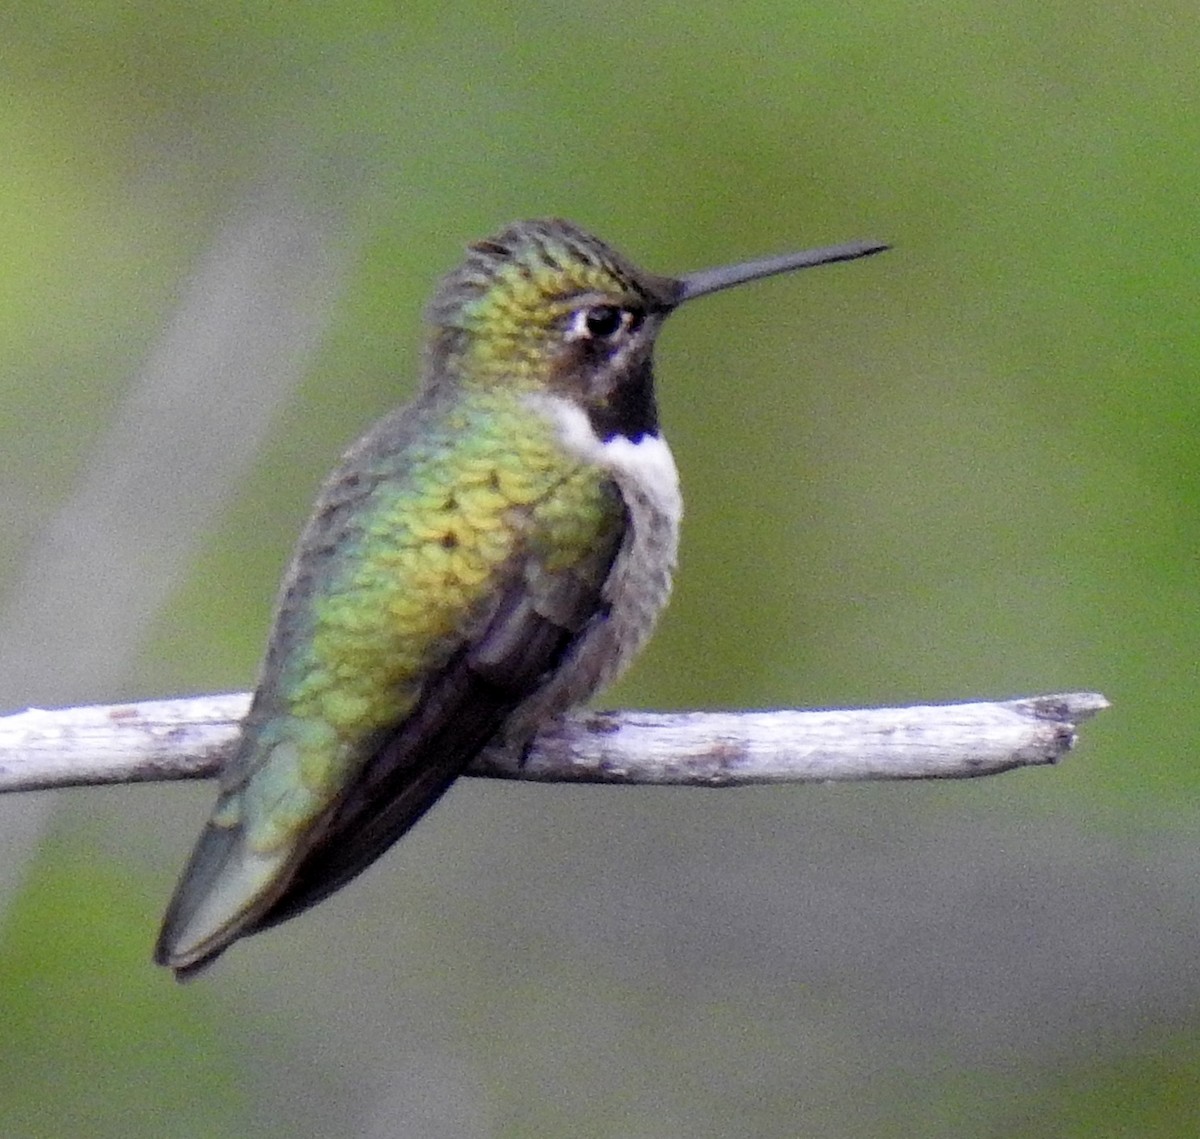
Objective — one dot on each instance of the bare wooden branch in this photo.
(189, 738)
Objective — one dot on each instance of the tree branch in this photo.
(189, 738)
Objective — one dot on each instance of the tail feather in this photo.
(225, 885)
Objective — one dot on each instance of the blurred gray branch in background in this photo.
(189, 738)
(189, 426)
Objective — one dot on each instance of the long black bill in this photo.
(712, 280)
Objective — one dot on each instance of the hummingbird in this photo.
(480, 561)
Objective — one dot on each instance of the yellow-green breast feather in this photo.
(404, 580)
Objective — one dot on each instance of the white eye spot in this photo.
(601, 322)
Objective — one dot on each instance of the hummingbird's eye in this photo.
(602, 321)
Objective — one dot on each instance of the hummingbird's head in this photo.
(544, 306)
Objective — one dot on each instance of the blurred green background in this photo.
(965, 469)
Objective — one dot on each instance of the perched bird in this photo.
(480, 561)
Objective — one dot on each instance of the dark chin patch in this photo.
(630, 410)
